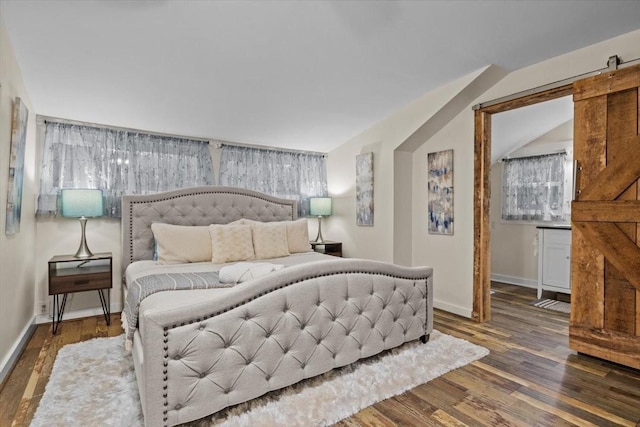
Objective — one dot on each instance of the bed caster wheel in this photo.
(425, 339)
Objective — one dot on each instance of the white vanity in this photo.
(554, 259)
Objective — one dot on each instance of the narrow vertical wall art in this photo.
(364, 189)
(16, 166)
(440, 192)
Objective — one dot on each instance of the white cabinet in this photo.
(554, 260)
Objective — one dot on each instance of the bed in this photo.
(199, 351)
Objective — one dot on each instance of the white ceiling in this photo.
(513, 129)
(293, 74)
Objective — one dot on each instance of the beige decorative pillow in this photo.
(230, 243)
(298, 236)
(181, 243)
(269, 239)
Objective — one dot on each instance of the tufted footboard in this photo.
(273, 332)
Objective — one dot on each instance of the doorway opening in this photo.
(530, 206)
(482, 192)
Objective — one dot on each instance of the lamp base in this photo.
(319, 238)
(83, 249)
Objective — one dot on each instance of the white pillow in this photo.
(230, 243)
(181, 243)
(298, 236)
(269, 239)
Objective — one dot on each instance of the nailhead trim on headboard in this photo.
(286, 209)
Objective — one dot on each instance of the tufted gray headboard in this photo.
(193, 206)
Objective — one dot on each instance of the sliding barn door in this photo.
(605, 262)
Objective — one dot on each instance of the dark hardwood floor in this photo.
(531, 378)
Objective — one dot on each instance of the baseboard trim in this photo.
(78, 314)
(16, 351)
(512, 280)
(451, 308)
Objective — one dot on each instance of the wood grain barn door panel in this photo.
(605, 261)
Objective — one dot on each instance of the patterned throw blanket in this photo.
(152, 283)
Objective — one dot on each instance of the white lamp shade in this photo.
(77, 203)
(320, 206)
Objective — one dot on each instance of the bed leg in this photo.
(425, 339)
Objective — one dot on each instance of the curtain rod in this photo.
(613, 64)
(220, 144)
(553, 153)
(41, 119)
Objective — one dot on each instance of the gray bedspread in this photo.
(150, 284)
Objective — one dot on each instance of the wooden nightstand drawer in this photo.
(79, 283)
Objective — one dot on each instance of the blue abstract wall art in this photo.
(16, 166)
(440, 192)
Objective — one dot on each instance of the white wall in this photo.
(377, 242)
(451, 256)
(17, 252)
(512, 245)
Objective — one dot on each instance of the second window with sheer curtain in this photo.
(285, 174)
(537, 188)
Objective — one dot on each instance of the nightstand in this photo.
(68, 274)
(328, 247)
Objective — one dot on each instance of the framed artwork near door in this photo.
(364, 189)
(440, 192)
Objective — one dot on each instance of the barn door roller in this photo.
(613, 62)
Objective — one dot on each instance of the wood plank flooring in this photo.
(530, 378)
(22, 390)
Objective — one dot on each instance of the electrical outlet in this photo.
(44, 307)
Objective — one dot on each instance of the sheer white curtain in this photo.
(290, 175)
(117, 162)
(534, 189)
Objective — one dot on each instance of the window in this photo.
(537, 188)
(285, 174)
(117, 162)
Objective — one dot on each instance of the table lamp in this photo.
(82, 204)
(320, 206)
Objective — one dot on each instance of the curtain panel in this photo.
(117, 162)
(533, 189)
(285, 174)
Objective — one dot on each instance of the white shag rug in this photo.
(93, 383)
